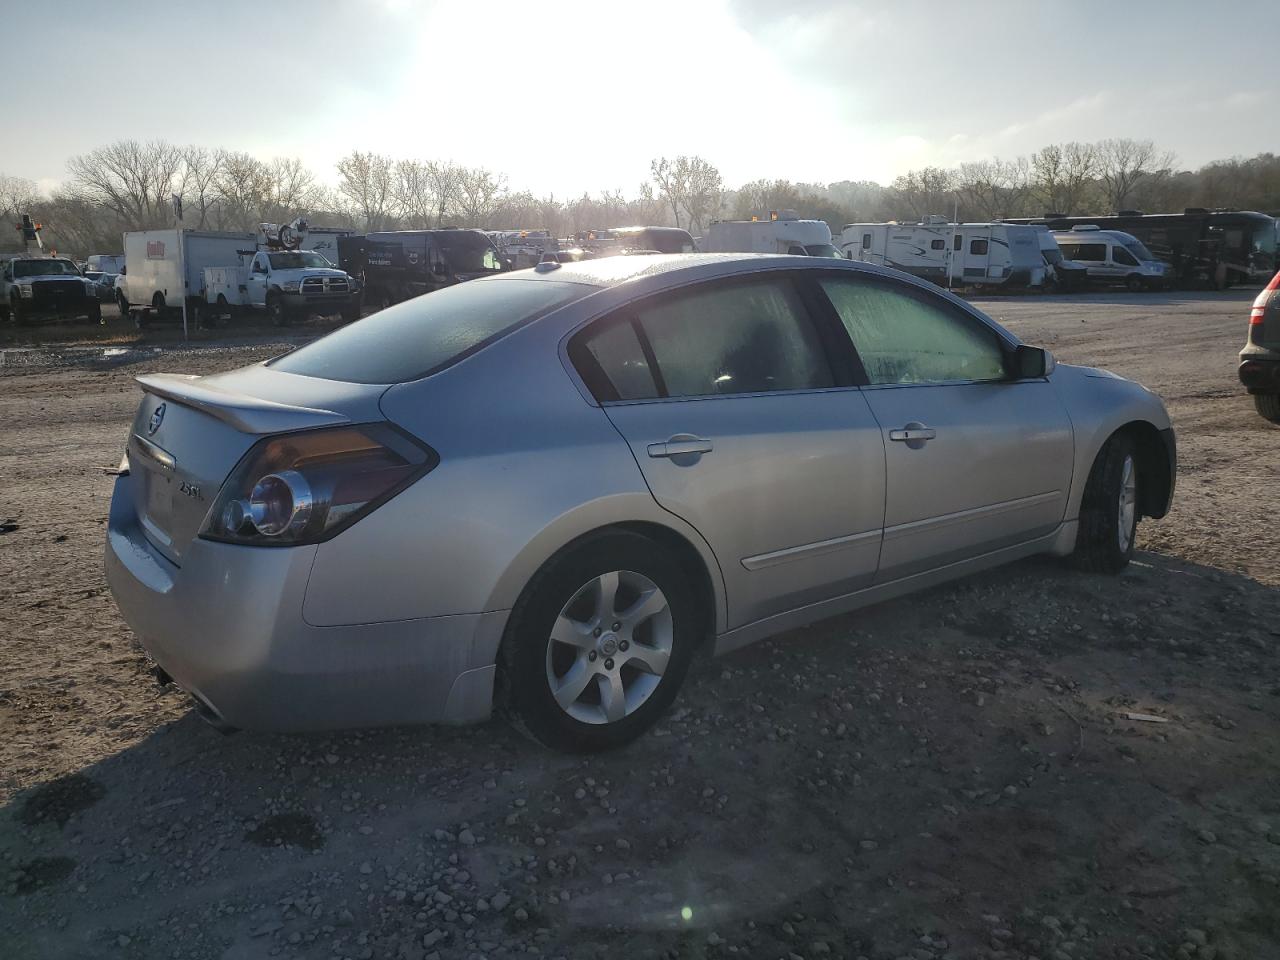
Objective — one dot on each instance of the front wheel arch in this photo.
(1154, 491)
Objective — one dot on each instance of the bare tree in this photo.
(200, 168)
(929, 190)
(132, 180)
(413, 189)
(1123, 164)
(243, 183)
(291, 189)
(479, 194)
(670, 186)
(759, 197)
(690, 184)
(18, 195)
(366, 180)
(703, 190)
(1061, 175)
(994, 188)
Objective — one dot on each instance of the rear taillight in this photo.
(307, 487)
(1256, 316)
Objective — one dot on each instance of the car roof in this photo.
(681, 267)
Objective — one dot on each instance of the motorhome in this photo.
(955, 254)
(781, 233)
(1112, 256)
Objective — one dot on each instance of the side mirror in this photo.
(1031, 363)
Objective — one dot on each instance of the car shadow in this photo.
(907, 770)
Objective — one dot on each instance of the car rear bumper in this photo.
(228, 628)
(1259, 370)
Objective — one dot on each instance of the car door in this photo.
(975, 461)
(257, 283)
(748, 428)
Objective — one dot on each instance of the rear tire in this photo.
(1268, 406)
(632, 626)
(1109, 510)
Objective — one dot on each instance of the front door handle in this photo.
(914, 435)
(682, 444)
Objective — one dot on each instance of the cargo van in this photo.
(1112, 256)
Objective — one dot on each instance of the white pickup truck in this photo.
(284, 284)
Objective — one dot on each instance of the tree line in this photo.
(128, 185)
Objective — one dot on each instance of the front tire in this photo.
(1268, 406)
(599, 644)
(1109, 511)
(276, 311)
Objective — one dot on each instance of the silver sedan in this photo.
(547, 490)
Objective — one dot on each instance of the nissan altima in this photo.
(546, 491)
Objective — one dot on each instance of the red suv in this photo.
(1260, 358)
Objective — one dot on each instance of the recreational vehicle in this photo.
(780, 234)
(958, 254)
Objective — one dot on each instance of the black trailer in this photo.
(396, 265)
(1219, 247)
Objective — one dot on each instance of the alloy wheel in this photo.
(1128, 503)
(609, 647)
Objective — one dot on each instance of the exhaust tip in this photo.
(209, 715)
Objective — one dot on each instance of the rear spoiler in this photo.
(247, 414)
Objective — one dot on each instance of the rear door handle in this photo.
(682, 444)
(914, 433)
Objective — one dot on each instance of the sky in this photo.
(565, 96)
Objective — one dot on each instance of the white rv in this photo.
(961, 254)
(782, 233)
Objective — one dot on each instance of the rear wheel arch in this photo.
(697, 564)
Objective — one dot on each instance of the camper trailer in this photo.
(951, 254)
(781, 233)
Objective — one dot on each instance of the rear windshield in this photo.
(418, 337)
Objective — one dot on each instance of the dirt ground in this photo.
(952, 774)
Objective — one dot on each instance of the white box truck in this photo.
(164, 266)
(782, 233)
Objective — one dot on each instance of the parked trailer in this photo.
(1219, 247)
(958, 254)
(779, 234)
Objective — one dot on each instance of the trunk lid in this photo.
(190, 432)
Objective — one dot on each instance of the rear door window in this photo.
(418, 337)
(749, 336)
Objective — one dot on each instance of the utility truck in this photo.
(220, 275)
